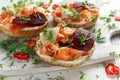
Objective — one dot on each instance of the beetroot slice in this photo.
(80, 4)
(88, 43)
(37, 19)
(20, 20)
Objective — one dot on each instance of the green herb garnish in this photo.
(111, 26)
(12, 45)
(24, 65)
(50, 37)
(53, 60)
(112, 13)
(82, 76)
(50, 1)
(21, 18)
(64, 6)
(93, 18)
(1, 77)
(40, 3)
(82, 40)
(48, 34)
(4, 8)
(75, 13)
(84, 3)
(36, 61)
(11, 0)
(112, 53)
(99, 38)
(1, 66)
(97, 76)
(106, 19)
(12, 62)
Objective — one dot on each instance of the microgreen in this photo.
(1, 77)
(36, 61)
(82, 76)
(82, 40)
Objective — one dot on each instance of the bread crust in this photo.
(88, 23)
(24, 33)
(72, 24)
(77, 62)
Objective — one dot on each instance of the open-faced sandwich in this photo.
(64, 46)
(23, 21)
(77, 14)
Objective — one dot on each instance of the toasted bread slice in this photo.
(66, 56)
(73, 63)
(84, 18)
(24, 32)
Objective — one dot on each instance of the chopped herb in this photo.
(53, 60)
(40, 3)
(111, 26)
(118, 55)
(99, 38)
(112, 13)
(28, 18)
(72, 44)
(82, 76)
(11, 0)
(12, 45)
(50, 36)
(1, 66)
(75, 13)
(85, 4)
(103, 63)
(50, 1)
(4, 9)
(112, 53)
(45, 32)
(106, 19)
(1, 77)
(64, 6)
(31, 2)
(15, 5)
(64, 25)
(93, 18)
(12, 62)
(82, 40)
(21, 18)
(94, 30)
(36, 61)
(24, 65)
(47, 11)
(97, 76)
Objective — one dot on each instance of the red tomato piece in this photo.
(112, 70)
(55, 6)
(58, 13)
(66, 31)
(117, 18)
(21, 55)
(31, 43)
(45, 6)
(60, 37)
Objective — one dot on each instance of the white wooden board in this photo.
(100, 54)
